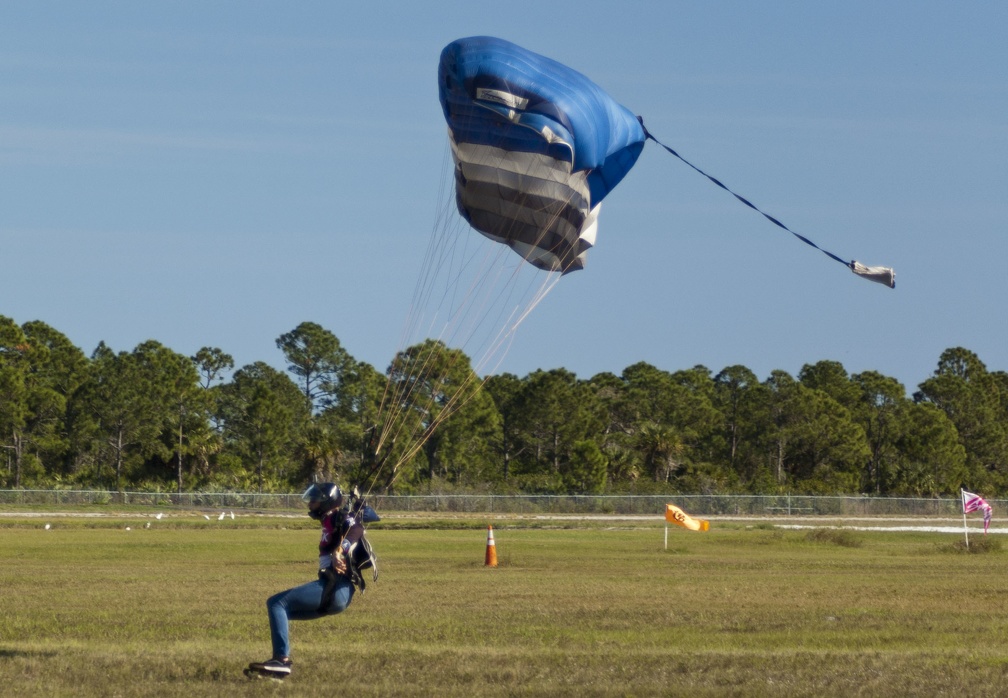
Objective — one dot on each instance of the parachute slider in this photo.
(883, 275)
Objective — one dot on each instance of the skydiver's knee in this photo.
(275, 600)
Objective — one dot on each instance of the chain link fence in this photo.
(626, 505)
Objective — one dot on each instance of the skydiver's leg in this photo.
(301, 603)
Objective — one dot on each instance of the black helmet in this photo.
(322, 498)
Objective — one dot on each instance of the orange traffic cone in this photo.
(491, 551)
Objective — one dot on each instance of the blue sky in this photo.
(213, 174)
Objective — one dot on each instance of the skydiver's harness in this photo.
(359, 557)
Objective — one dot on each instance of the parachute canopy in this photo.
(536, 146)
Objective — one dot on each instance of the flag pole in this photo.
(666, 535)
(962, 500)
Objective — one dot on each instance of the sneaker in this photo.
(277, 667)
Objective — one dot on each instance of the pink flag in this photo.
(974, 502)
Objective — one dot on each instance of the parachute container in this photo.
(537, 146)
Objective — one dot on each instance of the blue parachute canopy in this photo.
(536, 145)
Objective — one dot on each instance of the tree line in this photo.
(152, 419)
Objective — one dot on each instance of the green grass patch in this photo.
(178, 610)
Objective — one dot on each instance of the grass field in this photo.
(90, 609)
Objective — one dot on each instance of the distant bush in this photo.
(833, 536)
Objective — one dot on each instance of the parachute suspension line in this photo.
(526, 301)
(394, 400)
(480, 296)
(433, 252)
(438, 250)
(462, 393)
(470, 284)
(439, 256)
(417, 441)
(418, 438)
(882, 275)
(445, 254)
(498, 347)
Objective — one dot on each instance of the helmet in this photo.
(322, 498)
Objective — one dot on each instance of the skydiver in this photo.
(331, 593)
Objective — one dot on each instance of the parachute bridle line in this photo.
(850, 264)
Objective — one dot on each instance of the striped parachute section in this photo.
(536, 147)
